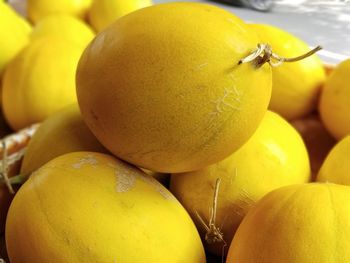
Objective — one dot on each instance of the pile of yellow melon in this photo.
(179, 133)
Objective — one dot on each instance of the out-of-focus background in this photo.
(325, 23)
(317, 22)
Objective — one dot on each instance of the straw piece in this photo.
(12, 149)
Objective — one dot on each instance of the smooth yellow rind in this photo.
(90, 207)
(299, 223)
(161, 88)
(61, 133)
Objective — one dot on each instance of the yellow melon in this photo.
(14, 34)
(90, 207)
(273, 157)
(104, 12)
(162, 87)
(61, 133)
(334, 104)
(38, 9)
(40, 81)
(64, 26)
(294, 224)
(336, 167)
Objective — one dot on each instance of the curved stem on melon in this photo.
(264, 54)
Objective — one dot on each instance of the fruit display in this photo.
(138, 132)
(273, 157)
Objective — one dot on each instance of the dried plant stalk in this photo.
(264, 54)
(213, 232)
(12, 149)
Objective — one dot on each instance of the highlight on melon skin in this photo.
(273, 157)
(334, 104)
(38, 9)
(40, 81)
(91, 207)
(64, 26)
(102, 13)
(336, 167)
(294, 224)
(14, 35)
(168, 94)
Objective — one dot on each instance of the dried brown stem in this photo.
(213, 233)
(264, 54)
